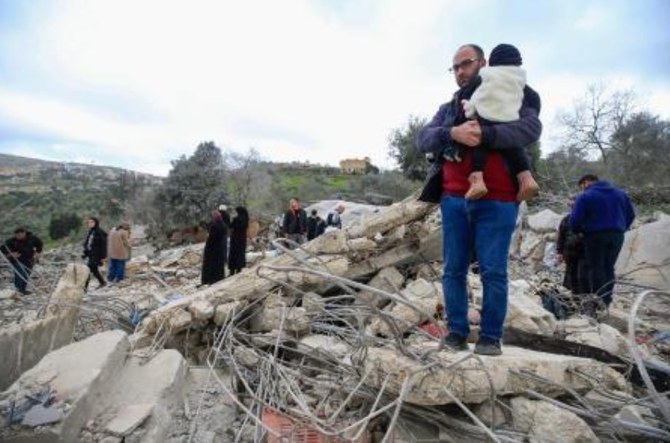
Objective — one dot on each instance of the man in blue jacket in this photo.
(602, 213)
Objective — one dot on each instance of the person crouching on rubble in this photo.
(22, 250)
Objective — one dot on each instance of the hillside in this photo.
(34, 191)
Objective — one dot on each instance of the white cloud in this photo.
(326, 88)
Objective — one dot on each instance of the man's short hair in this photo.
(313, 211)
(587, 178)
(478, 50)
(19, 230)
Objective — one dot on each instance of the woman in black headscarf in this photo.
(213, 260)
(238, 240)
(95, 249)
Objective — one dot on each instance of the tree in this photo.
(640, 151)
(402, 148)
(193, 188)
(61, 225)
(244, 175)
(595, 118)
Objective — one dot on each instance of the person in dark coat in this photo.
(570, 249)
(238, 240)
(95, 249)
(315, 225)
(294, 226)
(213, 261)
(22, 251)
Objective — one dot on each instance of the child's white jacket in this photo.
(498, 98)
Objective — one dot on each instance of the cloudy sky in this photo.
(137, 83)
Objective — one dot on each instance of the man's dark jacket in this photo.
(26, 248)
(435, 136)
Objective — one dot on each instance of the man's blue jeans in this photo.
(116, 270)
(486, 226)
(22, 273)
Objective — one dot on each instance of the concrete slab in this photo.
(38, 415)
(128, 419)
(79, 373)
(469, 380)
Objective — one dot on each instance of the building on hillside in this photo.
(354, 165)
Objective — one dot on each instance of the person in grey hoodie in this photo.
(602, 213)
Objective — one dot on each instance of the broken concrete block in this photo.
(525, 311)
(179, 320)
(361, 245)
(635, 414)
(225, 311)
(128, 419)
(274, 314)
(544, 221)
(333, 242)
(645, 256)
(79, 373)
(544, 421)
(389, 280)
(600, 335)
(529, 243)
(201, 310)
(423, 298)
(152, 385)
(325, 344)
(389, 217)
(469, 380)
(491, 414)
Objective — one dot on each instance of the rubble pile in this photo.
(340, 341)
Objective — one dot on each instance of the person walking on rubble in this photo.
(95, 250)
(213, 260)
(22, 250)
(118, 248)
(570, 250)
(238, 240)
(486, 224)
(294, 225)
(602, 213)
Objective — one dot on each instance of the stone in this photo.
(645, 256)
(202, 310)
(491, 414)
(423, 298)
(275, 314)
(128, 419)
(600, 335)
(361, 245)
(544, 421)
(333, 242)
(111, 439)
(544, 221)
(179, 320)
(389, 280)
(469, 381)
(313, 303)
(614, 399)
(225, 311)
(529, 243)
(39, 415)
(328, 345)
(6, 293)
(636, 414)
(524, 312)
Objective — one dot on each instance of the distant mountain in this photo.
(33, 192)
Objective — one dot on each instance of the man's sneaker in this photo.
(26, 292)
(455, 342)
(486, 346)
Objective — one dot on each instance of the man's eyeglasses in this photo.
(462, 65)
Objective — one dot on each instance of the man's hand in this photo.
(468, 133)
(15, 254)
